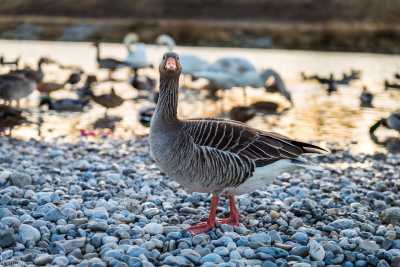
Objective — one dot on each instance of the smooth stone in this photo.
(53, 215)
(177, 261)
(136, 251)
(43, 259)
(20, 179)
(368, 245)
(317, 251)
(28, 233)
(300, 237)
(61, 261)
(301, 251)
(96, 226)
(391, 215)
(341, 224)
(192, 255)
(259, 240)
(301, 264)
(153, 228)
(66, 246)
(7, 238)
(212, 257)
(269, 264)
(273, 251)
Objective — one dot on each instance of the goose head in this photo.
(170, 65)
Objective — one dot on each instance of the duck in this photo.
(14, 63)
(14, 87)
(348, 78)
(110, 64)
(137, 56)
(229, 72)
(110, 100)
(64, 104)
(366, 98)
(217, 156)
(10, 117)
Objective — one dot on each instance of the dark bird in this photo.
(366, 98)
(14, 63)
(242, 113)
(392, 122)
(143, 83)
(32, 74)
(145, 114)
(221, 157)
(389, 85)
(64, 105)
(111, 100)
(348, 78)
(109, 64)
(10, 117)
(75, 77)
(14, 87)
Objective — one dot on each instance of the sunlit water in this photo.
(315, 116)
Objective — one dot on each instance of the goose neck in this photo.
(167, 104)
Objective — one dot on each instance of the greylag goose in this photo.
(32, 74)
(14, 87)
(110, 64)
(366, 98)
(216, 156)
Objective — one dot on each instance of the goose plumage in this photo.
(217, 156)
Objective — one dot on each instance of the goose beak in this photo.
(170, 64)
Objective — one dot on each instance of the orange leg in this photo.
(204, 227)
(234, 217)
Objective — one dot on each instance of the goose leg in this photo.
(204, 227)
(234, 216)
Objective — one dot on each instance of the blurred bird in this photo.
(366, 98)
(109, 64)
(10, 117)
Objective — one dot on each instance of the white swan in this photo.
(137, 57)
(230, 72)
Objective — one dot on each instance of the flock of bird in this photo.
(222, 75)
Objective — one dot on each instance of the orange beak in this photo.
(170, 64)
